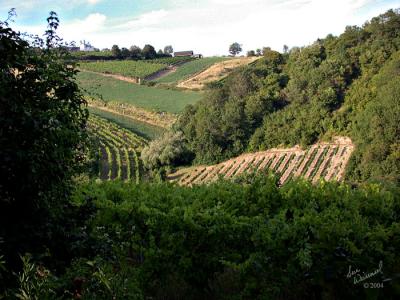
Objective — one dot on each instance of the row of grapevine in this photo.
(128, 68)
(323, 160)
(118, 150)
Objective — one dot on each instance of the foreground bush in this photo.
(248, 240)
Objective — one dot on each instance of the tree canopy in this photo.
(343, 85)
(235, 49)
(42, 134)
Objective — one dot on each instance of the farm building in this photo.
(183, 53)
(86, 46)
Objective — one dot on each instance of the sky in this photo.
(204, 26)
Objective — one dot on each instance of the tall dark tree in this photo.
(116, 52)
(235, 49)
(251, 53)
(149, 52)
(125, 53)
(136, 52)
(168, 49)
(285, 49)
(42, 133)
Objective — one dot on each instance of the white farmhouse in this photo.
(86, 46)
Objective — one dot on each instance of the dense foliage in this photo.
(345, 85)
(245, 240)
(248, 239)
(42, 122)
(166, 151)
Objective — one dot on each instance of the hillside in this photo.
(117, 150)
(347, 85)
(321, 161)
(215, 72)
(151, 98)
(189, 69)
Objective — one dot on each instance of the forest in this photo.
(67, 235)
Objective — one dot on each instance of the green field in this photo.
(129, 68)
(170, 60)
(151, 98)
(190, 68)
(140, 128)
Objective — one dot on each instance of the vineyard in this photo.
(172, 61)
(190, 68)
(128, 68)
(143, 129)
(322, 160)
(118, 150)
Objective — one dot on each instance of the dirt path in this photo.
(216, 72)
(162, 73)
(135, 80)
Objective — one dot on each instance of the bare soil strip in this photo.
(315, 161)
(164, 120)
(135, 80)
(291, 167)
(161, 73)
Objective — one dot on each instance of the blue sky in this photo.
(205, 26)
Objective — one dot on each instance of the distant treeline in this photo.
(134, 52)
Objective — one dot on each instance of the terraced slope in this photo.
(118, 150)
(322, 160)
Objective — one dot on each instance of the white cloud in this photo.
(210, 26)
(93, 1)
(148, 19)
(92, 23)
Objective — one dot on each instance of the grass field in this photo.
(170, 60)
(190, 68)
(128, 68)
(151, 98)
(142, 129)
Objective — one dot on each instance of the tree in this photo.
(116, 52)
(258, 52)
(251, 53)
(167, 150)
(149, 52)
(285, 49)
(168, 49)
(160, 52)
(125, 53)
(42, 125)
(136, 52)
(235, 49)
